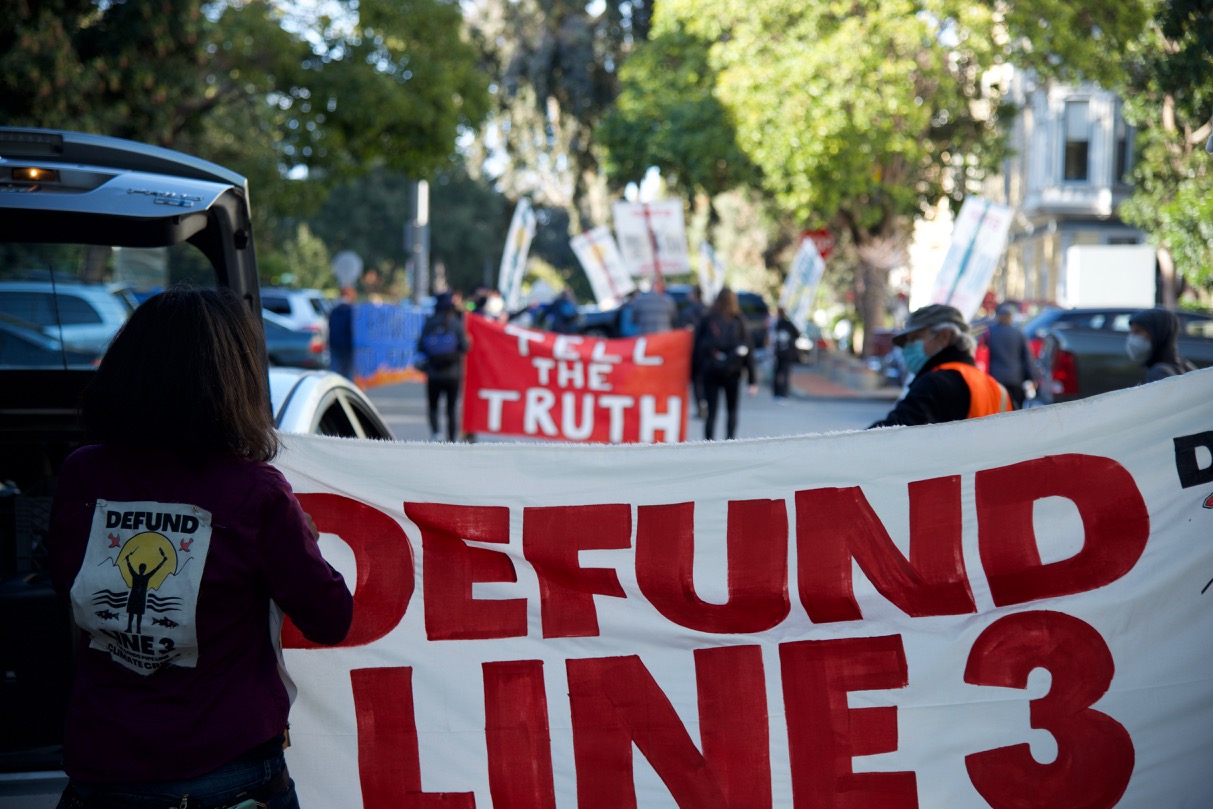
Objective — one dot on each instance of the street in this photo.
(816, 406)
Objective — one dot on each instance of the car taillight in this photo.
(316, 345)
(1064, 374)
(1035, 344)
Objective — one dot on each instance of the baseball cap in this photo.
(934, 315)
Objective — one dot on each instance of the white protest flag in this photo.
(711, 272)
(513, 257)
(652, 237)
(603, 265)
(800, 285)
(979, 237)
(1007, 611)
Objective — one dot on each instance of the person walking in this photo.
(785, 335)
(1010, 358)
(937, 349)
(341, 333)
(694, 311)
(442, 343)
(1153, 341)
(177, 513)
(722, 350)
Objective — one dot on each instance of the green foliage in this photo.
(668, 116)
(252, 85)
(1169, 99)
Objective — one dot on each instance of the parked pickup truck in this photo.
(1086, 356)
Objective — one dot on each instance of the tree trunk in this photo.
(1166, 292)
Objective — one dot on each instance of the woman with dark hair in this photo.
(721, 352)
(1154, 342)
(191, 708)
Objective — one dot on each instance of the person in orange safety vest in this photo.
(947, 386)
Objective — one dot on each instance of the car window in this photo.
(277, 305)
(318, 306)
(76, 310)
(334, 421)
(371, 426)
(1194, 326)
(80, 294)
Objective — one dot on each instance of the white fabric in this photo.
(1135, 459)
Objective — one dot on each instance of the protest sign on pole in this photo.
(1007, 611)
(979, 237)
(513, 257)
(603, 265)
(711, 272)
(568, 387)
(652, 238)
(800, 286)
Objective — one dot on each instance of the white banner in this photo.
(1012, 611)
(513, 257)
(711, 272)
(800, 285)
(979, 237)
(652, 237)
(603, 265)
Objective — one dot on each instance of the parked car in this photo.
(293, 347)
(1084, 357)
(302, 308)
(1111, 318)
(323, 403)
(80, 216)
(23, 345)
(83, 316)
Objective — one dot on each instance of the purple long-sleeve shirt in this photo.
(192, 681)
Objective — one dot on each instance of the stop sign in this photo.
(822, 239)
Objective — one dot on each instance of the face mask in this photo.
(914, 356)
(1138, 347)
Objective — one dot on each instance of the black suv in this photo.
(82, 214)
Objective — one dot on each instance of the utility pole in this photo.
(417, 239)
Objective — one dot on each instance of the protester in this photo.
(937, 349)
(1010, 358)
(785, 336)
(1153, 342)
(442, 344)
(722, 350)
(178, 519)
(653, 311)
(692, 312)
(341, 333)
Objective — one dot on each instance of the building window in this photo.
(1078, 140)
(1124, 149)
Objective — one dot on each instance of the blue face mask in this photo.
(914, 356)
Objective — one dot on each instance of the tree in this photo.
(859, 115)
(553, 64)
(1170, 98)
(252, 85)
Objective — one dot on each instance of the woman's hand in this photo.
(311, 526)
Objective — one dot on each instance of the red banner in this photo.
(570, 387)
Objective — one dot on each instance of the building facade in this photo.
(1066, 176)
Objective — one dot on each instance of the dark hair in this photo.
(186, 373)
(726, 303)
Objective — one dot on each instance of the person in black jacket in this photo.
(785, 336)
(443, 342)
(1153, 341)
(947, 386)
(722, 350)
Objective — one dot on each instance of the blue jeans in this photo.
(221, 787)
